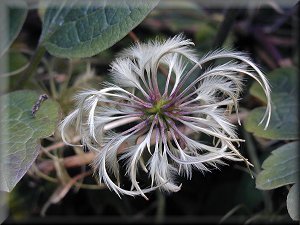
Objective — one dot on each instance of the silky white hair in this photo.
(157, 118)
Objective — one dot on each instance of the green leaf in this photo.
(12, 23)
(16, 60)
(74, 31)
(21, 133)
(284, 120)
(292, 202)
(283, 83)
(283, 125)
(17, 63)
(281, 168)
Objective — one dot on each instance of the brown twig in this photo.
(62, 190)
(282, 41)
(72, 161)
(60, 144)
(133, 36)
(266, 58)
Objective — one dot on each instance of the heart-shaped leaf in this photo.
(11, 22)
(79, 30)
(283, 83)
(21, 133)
(281, 168)
(284, 121)
(283, 125)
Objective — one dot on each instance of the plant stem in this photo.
(225, 27)
(65, 84)
(34, 62)
(252, 152)
(160, 210)
(49, 67)
(254, 159)
(15, 72)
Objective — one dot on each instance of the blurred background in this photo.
(267, 30)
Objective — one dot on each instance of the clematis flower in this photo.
(142, 118)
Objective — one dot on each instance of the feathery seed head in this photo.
(161, 117)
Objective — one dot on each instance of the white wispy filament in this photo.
(150, 111)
